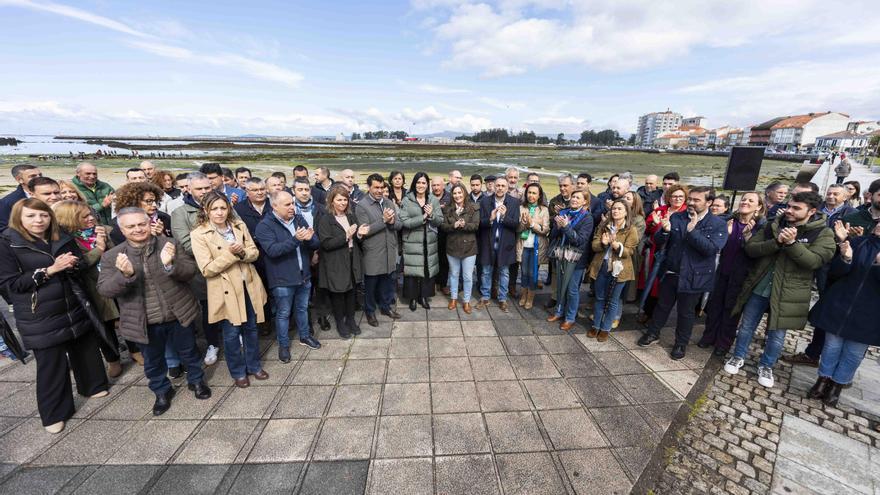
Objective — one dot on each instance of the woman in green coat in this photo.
(421, 215)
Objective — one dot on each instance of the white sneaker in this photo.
(733, 365)
(765, 376)
(211, 355)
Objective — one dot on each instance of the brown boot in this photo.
(452, 304)
(592, 332)
(530, 301)
(523, 297)
(466, 307)
(114, 369)
(602, 337)
(138, 358)
(566, 326)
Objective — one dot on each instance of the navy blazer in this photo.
(7, 203)
(506, 254)
(579, 236)
(278, 248)
(692, 254)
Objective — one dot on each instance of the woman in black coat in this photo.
(848, 312)
(38, 266)
(339, 270)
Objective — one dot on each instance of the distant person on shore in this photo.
(45, 189)
(98, 194)
(843, 169)
(134, 175)
(22, 174)
(242, 174)
(149, 169)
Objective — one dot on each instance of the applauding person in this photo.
(461, 219)
(421, 216)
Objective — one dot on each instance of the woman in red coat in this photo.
(675, 200)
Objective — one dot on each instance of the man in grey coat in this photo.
(380, 250)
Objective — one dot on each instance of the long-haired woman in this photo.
(570, 235)
(421, 216)
(461, 220)
(39, 263)
(531, 245)
(675, 201)
(225, 253)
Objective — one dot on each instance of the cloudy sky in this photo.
(318, 68)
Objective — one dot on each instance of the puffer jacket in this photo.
(415, 230)
(46, 314)
(793, 268)
(461, 242)
(130, 292)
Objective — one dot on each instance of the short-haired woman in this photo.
(78, 220)
(38, 266)
(146, 196)
(340, 268)
(225, 253)
(570, 236)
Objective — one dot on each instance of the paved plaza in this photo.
(438, 402)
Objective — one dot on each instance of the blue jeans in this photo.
(568, 307)
(529, 269)
(171, 357)
(241, 363)
(183, 340)
(486, 282)
(841, 358)
(602, 319)
(291, 299)
(379, 290)
(752, 312)
(461, 267)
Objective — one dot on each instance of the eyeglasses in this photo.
(150, 201)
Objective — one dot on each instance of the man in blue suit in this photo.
(692, 240)
(215, 174)
(499, 219)
(22, 174)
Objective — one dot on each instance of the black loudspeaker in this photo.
(743, 167)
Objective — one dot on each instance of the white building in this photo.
(698, 121)
(863, 126)
(654, 124)
(848, 141)
(800, 131)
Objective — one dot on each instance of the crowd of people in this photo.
(229, 256)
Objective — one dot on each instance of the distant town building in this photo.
(800, 131)
(863, 126)
(340, 137)
(654, 124)
(760, 134)
(697, 138)
(717, 138)
(848, 141)
(672, 140)
(698, 121)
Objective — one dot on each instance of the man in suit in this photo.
(22, 174)
(499, 219)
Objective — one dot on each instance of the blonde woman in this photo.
(225, 253)
(69, 192)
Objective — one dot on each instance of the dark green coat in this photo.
(793, 272)
(414, 231)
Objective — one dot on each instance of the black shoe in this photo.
(310, 342)
(412, 304)
(341, 328)
(200, 390)
(163, 402)
(394, 315)
(424, 302)
(718, 352)
(677, 352)
(353, 327)
(832, 394)
(176, 371)
(284, 354)
(550, 304)
(324, 323)
(372, 321)
(647, 339)
(819, 388)
(704, 345)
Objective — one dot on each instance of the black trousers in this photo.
(343, 304)
(54, 390)
(683, 301)
(110, 351)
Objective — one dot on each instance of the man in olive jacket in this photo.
(380, 250)
(786, 253)
(148, 279)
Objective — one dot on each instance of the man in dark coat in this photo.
(499, 219)
(22, 174)
(252, 210)
(693, 239)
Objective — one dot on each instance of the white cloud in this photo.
(793, 88)
(440, 90)
(145, 42)
(507, 37)
(503, 104)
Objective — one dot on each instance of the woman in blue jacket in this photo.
(570, 235)
(848, 312)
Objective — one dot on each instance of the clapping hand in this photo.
(459, 224)
(108, 200)
(606, 238)
(666, 223)
(304, 234)
(233, 198)
(428, 209)
(63, 262)
(841, 230)
(388, 215)
(350, 231)
(167, 254)
(100, 238)
(561, 221)
(787, 235)
(123, 264)
(856, 231)
(846, 251)
(157, 227)
(363, 230)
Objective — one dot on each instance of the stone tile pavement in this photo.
(438, 402)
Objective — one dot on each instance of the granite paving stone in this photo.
(406, 398)
(274, 479)
(407, 370)
(453, 397)
(401, 476)
(29, 439)
(439, 312)
(595, 471)
(551, 393)
(132, 403)
(484, 346)
(523, 345)
(409, 347)
(152, 442)
(529, 474)
(561, 344)
(106, 479)
(577, 365)
(446, 328)
(361, 371)
(501, 396)
(318, 373)
(514, 432)
(644, 388)
(492, 368)
(451, 369)
(284, 440)
(620, 363)
(598, 391)
(21, 402)
(634, 459)
(303, 402)
(330, 350)
(513, 327)
(466, 474)
(479, 329)
(218, 441)
(337, 478)
(624, 426)
(459, 434)
(189, 478)
(571, 429)
(101, 436)
(447, 346)
(39, 480)
(532, 367)
(404, 436)
(369, 348)
(345, 438)
(409, 329)
(356, 400)
(251, 402)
